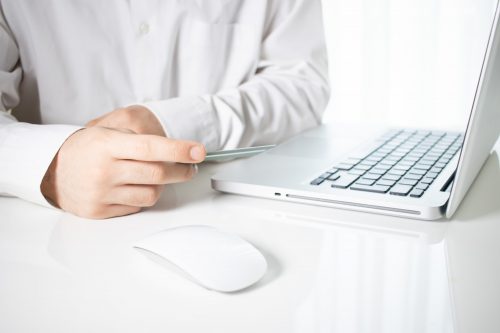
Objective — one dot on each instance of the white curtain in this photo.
(405, 62)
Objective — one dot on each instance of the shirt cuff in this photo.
(26, 151)
(187, 118)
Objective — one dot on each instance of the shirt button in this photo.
(144, 28)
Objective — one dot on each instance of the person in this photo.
(115, 99)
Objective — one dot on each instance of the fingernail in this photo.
(196, 153)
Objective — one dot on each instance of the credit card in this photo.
(223, 155)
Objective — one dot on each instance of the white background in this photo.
(405, 62)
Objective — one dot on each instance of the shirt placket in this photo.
(144, 21)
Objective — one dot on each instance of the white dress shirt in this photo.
(226, 73)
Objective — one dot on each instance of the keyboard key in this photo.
(417, 152)
(405, 163)
(377, 171)
(396, 172)
(386, 182)
(406, 181)
(372, 158)
(436, 170)
(392, 158)
(367, 163)
(334, 177)
(344, 181)
(344, 166)
(417, 172)
(403, 167)
(441, 147)
(412, 176)
(427, 180)
(372, 176)
(431, 174)
(325, 175)
(448, 156)
(420, 150)
(422, 186)
(401, 190)
(317, 181)
(377, 155)
(364, 181)
(421, 166)
(384, 151)
(432, 155)
(426, 162)
(416, 193)
(391, 177)
(375, 188)
(443, 160)
(381, 168)
(385, 161)
(397, 155)
(357, 172)
(363, 167)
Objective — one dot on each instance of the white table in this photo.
(330, 270)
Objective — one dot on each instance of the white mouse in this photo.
(215, 259)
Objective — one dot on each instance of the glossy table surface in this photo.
(329, 270)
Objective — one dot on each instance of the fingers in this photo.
(135, 195)
(151, 173)
(155, 148)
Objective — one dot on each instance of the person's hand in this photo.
(101, 172)
(135, 117)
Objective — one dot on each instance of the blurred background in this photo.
(412, 63)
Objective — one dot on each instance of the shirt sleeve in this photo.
(26, 150)
(287, 94)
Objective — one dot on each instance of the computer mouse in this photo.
(215, 259)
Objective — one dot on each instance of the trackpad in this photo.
(310, 147)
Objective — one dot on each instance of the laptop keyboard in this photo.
(402, 163)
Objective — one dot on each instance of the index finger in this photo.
(155, 148)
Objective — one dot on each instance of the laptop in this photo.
(413, 173)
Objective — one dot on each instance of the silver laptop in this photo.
(411, 173)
